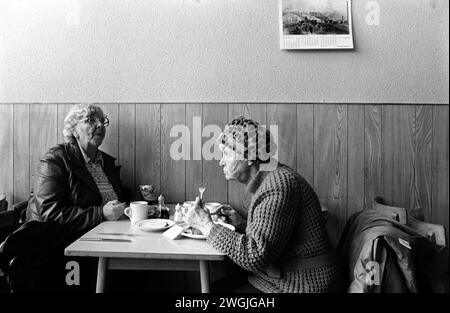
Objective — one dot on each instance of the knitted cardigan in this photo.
(284, 229)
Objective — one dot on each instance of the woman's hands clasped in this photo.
(198, 217)
(113, 210)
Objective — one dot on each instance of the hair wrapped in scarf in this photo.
(249, 140)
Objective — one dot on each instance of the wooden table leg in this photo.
(101, 274)
(204, 276)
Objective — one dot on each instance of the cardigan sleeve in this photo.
(267, 234)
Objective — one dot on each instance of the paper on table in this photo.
(174, 232)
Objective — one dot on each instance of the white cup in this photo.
(212, 208)
(188, 203)
(137, 211)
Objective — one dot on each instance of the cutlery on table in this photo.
(106, 239)
(118, 234)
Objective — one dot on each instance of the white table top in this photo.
(145, 245)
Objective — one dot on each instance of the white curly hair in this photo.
(76, 114)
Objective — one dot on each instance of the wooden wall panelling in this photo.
(148, 172)
(440, 170)
(373, 179)
(43, 134)
(193, 171)
(63, 110)
(194, 176)
(6, 157)
(21, 152)
(237, 195)
(423, 165)
(330, 164)
(305, 141)
(127, 146)
(213, 178)
(285, 117)
(398, 155)
(172, 171)
(111, 143)
(148, 145)
(355, 152)
(399, 152)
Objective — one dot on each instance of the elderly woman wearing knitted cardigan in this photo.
(282, 242)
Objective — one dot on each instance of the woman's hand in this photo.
(234, 218)
(113, 210)
(199, 218)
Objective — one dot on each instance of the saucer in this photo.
(154, 224)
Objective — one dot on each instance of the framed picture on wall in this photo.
(315, 24)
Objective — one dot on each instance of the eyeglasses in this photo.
(94, 120)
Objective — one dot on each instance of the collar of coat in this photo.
(76, 157)
(77, 162)
(98, 159)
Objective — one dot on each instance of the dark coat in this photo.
(382, 255)
(65, 193)
(32, 260)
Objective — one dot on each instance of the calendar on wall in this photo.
(315, 24)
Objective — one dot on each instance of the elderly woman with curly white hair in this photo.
(281, 241)
(77, 185)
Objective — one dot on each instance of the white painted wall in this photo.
(215, 51)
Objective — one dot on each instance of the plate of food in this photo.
(194, 233)
(154, 224)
